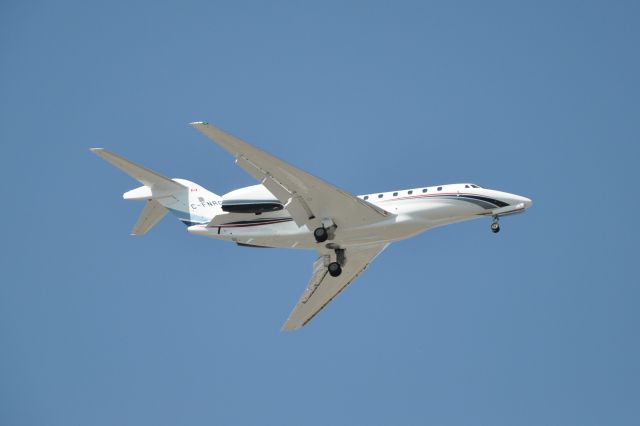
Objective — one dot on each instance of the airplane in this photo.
(290, 208)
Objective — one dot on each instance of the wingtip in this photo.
(287, 328)
(96, 149)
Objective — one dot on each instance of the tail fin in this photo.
(187, 200)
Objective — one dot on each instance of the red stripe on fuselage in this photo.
(423, 196)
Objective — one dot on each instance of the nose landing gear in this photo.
(495, 225)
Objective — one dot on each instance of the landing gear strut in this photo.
(495, 225)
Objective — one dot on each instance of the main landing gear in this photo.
(321, 235)
(495, 225)
(335, 268)
(326, 231)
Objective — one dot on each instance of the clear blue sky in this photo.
(535, 326)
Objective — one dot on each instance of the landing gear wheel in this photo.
(334, 269)
(321, 235)
(495, 227)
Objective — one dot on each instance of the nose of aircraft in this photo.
(527, 202)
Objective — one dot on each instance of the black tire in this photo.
(334, 269)
(495, 228)
(321, 235)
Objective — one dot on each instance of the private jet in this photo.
(290, 208)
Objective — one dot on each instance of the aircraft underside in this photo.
(278, 229)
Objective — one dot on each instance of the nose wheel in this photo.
(495, 225)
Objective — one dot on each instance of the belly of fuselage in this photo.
(409, 219)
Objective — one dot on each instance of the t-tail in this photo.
(188, 201)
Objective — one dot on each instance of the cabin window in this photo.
(409, 192)
(439, 188)
(395, 194)
(380, 195)
(366, 197)
(424, 190)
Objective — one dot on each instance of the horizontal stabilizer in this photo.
(147, 177)
(152, 214)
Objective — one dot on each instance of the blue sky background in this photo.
(535, 326)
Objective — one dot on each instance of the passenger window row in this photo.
(424, 190)
(395, 194)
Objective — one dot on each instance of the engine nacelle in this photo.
(254, 199)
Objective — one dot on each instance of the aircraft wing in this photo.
(305, 197)
(323, 288)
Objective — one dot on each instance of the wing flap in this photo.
(323, 288)
(319, 272)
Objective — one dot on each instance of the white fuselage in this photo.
(414, 211)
